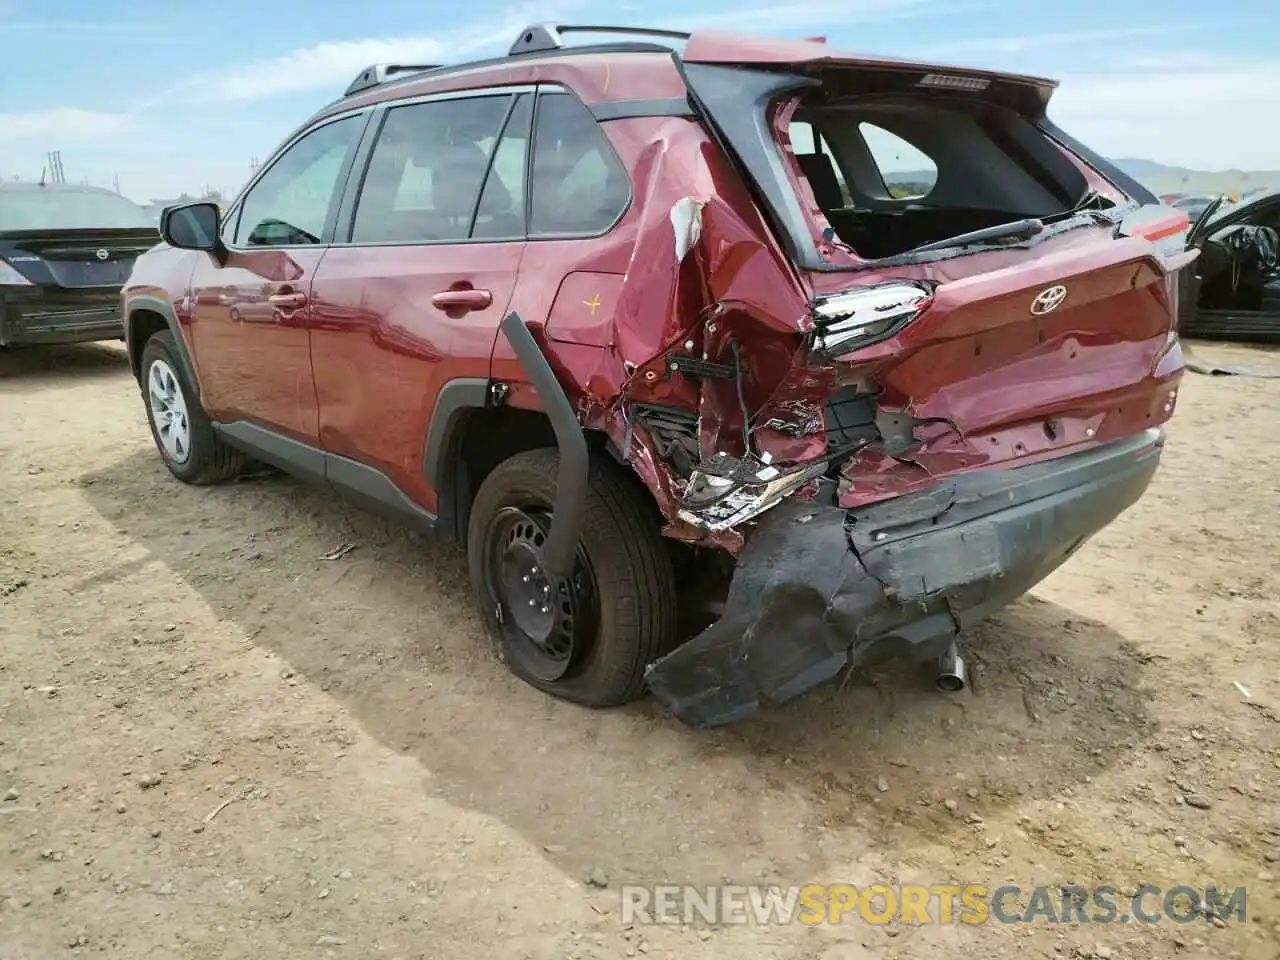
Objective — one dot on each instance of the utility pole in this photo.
(57, 174)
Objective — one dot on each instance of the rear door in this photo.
(430, 241)
(249, 314)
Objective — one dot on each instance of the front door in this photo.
(249, 314)
(412, 293)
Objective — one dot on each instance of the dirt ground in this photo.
(391, 791)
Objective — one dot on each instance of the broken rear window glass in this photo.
(890, 174)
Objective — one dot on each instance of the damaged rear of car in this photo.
(946, 381)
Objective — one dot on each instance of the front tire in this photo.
(185, 438)
(589, 637)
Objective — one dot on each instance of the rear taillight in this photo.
(10, 277)
(1166, 227)
(856, 318)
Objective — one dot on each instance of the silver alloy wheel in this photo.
(168, 409)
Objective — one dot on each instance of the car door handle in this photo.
(468, 299)
(287, 301)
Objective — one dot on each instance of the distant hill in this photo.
(1156, 177)
(1159, 178)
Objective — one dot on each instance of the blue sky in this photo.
(172, 95)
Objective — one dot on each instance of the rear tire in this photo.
(183, 435)
(591, 638)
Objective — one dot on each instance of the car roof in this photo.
(27, 186)
(634, 69)
(540, 43)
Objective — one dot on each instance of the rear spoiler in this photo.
(807, 57)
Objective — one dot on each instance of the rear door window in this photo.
(426, 170)
(501, 213)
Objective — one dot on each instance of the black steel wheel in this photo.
(586, 637)
(548, 625)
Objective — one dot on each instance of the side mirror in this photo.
(192, 226)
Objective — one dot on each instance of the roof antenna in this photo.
(43, 171)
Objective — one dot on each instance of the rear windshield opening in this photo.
(891, 174)
(30, 207)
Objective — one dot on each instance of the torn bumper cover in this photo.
(816, 587)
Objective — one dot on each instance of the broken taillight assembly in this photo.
(855, 318)
(726, 490)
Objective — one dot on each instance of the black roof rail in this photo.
(541, 37)
(537, 38)
(380, 73)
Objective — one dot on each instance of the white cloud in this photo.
(792, 17)
(1039, 41)
(1187, 108)
(60, 124)
(333, 65)
(1207, 114)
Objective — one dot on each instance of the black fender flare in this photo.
(440, 457)
(165, 311)
(442, 465)
(455, 400)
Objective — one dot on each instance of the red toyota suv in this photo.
(729, 360)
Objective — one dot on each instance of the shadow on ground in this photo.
(389, 633)
(54, 364)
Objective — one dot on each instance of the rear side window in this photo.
(907, 172)
(819, 165)
(578, 185)
(426, 170)
(293, 201)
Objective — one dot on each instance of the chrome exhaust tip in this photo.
(951, 674)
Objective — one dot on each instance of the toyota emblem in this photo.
(1047, 301)
(102, 254)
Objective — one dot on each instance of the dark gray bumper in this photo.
(817, 587)
(37, 318)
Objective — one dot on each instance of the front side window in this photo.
(292, 202)
(578, 184)
(426, 170)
